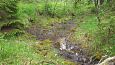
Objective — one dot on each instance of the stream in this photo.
(60, 34)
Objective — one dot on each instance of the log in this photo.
(108, 61)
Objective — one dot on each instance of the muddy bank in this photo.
(56, 31)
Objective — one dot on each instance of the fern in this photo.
(13, 34)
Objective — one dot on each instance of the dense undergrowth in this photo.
(17, 49)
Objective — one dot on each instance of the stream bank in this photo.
(60, 34)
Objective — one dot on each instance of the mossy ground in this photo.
(23, 50)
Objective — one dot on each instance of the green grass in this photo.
(14, 52)
(25, 9)
(89, 26)
(21, 50)
(46, 21)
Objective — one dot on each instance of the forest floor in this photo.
(62, 35)
(53, 41)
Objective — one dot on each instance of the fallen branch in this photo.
(108, 61)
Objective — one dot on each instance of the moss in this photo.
(98, 55)
(49, 54)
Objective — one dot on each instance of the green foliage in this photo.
(18, 52)
(14, 52)
(8, 14)
(8, 9)
(26, 10)
(106, 35)
(13, 34)
(53, 9)
(100, 38)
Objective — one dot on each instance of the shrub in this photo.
(52, 9)
(8, 9)
(26, 10)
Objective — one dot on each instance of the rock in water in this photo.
(63, 43)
